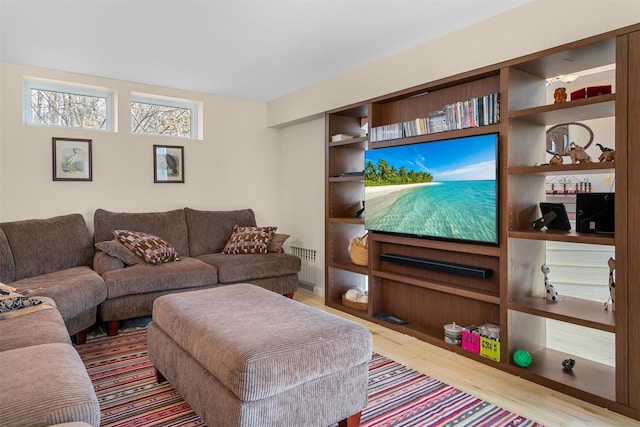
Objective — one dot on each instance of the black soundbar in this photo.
(444, 267)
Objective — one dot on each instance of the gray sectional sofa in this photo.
(56, 260)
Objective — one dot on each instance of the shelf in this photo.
(578, 311)
(435, 338)
(352, 311)
(437, 136)
(349, 267)
(488, 250)
(440, 287)
(581, 109)
(354, 178)
(359, 142)
(587, 376)
(581, 169)
(563, 236)
(357, 221)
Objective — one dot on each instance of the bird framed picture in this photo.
(72, 159)
(168, 164)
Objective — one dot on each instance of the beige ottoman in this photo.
(244, 356)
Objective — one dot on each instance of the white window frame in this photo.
(194, 106)
(76, 89)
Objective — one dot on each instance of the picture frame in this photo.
(168, 164)
(72, 159)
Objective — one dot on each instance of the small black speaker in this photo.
(595, 212)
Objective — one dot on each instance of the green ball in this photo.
(522, 358)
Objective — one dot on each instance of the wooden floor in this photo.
(525, 398)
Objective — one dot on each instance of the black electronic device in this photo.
(595, 212)
(441, 266)
(554, 217)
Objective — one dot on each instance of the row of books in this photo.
(481, 111)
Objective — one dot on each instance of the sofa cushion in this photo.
(245, 267)
(144, 278)
(116, 249)
(42, 246)
(209, 231)
(51, 386)
(74, 290)
(169, 226)
(152, 249)
(37, 327)
(7, 267)
(249, 240)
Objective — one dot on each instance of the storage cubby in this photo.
(428, 310)
(603, 342)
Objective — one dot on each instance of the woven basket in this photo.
(360, 306)
(359, 250)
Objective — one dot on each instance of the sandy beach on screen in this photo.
(374, 201)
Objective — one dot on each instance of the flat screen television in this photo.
(445, 189)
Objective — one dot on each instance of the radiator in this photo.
(307, 277)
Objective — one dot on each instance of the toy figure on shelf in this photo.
(608, 154)
(550, 291)
(612, 286)
(560, 95)
(556, 160)
(578, 154)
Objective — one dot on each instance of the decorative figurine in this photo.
(608, 154)
(568, 364)
(612, 286)
(560, 95)
(556, 160)
(550, 291)
(578, 154)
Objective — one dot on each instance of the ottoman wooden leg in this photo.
(351, 421)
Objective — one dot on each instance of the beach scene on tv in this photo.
(442, 189)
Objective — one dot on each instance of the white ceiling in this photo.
(249, 49)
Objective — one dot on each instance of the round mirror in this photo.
(559, 137)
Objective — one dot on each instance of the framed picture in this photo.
(168, 163)
(71, 159)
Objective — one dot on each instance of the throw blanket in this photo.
(13, 304)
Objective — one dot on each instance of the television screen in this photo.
(442, 189)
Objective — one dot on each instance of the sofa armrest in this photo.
(103, 262)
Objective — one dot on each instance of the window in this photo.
(62, 105)
(162, 116)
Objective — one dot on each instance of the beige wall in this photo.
(301, 189)
(232, 167)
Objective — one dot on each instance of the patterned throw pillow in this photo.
(151, 248)
(249, 240)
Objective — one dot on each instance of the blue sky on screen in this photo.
(460, 159)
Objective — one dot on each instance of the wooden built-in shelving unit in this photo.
(513, 296)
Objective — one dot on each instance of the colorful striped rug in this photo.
(129, 396)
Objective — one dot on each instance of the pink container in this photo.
(470, 341)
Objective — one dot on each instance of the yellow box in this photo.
(490, 348)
